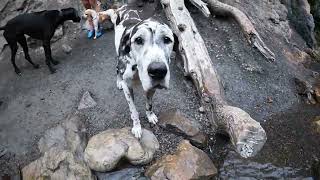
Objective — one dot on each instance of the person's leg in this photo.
(86, 4)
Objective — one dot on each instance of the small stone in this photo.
(66, 48)
(107, 148)
(202, 110)
(86, 101)
(269, 100)
(188, 162)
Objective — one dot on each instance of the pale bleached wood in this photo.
(246, 134)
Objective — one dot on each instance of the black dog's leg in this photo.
(23, 42)
(14, 47)
(47, 51)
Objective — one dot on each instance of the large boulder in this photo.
(188, 162)
(176, 122)
(62, 148)
(107, 148)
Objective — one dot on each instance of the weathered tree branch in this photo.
(247, 27)
(246, 134)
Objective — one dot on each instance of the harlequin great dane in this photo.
(143, 48)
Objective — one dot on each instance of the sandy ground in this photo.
(38, 100)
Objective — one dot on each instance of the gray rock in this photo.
(3, 4)
(20, 4)
(58, 34)
(107, 148)
(124, 174)
(176, 122)
(188, 162)
(86, 101)
(66, 48)
(62, 148)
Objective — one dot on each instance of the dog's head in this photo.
(71, 14)
(150, 44)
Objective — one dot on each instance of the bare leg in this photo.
(152, 118)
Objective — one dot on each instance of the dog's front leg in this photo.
(126, 85)
(47, 51)
(152, 118)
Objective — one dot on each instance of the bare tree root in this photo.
(247, 27)
(246, 134)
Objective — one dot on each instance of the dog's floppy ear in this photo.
(176, 43)
(125, 43)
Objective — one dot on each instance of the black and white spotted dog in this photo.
(143, 47)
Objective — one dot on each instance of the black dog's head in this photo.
(71, 14)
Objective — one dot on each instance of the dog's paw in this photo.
(54, 62)
(137, 131)
(119, 85)
(18, 72)
(152, 118)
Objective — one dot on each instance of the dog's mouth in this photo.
(159, 84)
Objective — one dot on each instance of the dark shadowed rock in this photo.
(301, 19)
(107, 148)
(176, 122)
(188, 162)
(124, 174)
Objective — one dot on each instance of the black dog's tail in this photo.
(2, 28)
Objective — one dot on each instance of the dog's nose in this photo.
(157, 70)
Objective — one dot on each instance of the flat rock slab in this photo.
(176, 122)
(188, 162)
(86, 101)
(124, 174)
(107, 148)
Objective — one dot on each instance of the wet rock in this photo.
(86, 101)
(124, 174)
(62, 148)
(176, 122)
(107, 148)
(66, 48)
(188, 162)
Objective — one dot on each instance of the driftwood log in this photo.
(245, 133)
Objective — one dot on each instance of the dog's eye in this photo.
(167, 40)
(139, 40)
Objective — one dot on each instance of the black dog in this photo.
(38, 25)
